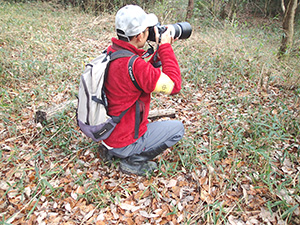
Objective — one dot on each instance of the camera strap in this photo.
(149, 51)
(159, 40)
(156, 63)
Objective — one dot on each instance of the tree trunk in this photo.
(233, 9)
(288, 27)
(223, 14)
(190, 9)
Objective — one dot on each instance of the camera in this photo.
(182, 30)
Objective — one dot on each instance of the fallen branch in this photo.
(47, 114)
(159, 113)
(291, 87)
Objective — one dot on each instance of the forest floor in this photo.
(237, 164)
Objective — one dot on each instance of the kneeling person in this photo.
(134, 140)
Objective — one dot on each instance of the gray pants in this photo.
(161, 132)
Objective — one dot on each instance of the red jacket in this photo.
(122, 94)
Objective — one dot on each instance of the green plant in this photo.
(239, 106)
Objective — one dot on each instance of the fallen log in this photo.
(159, 113)
(47, 114)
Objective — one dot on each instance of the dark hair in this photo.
(123, 37)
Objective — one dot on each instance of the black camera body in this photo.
(182, 30)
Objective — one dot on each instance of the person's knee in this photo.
(178, 133)
(179, 128)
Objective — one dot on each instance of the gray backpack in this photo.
(92, 116)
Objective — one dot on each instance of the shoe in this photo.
(140, 164)
(141, 168)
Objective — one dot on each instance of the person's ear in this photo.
(139, 36)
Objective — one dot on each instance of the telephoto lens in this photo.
(182, 30)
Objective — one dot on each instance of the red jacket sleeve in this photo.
(147, 76)
(170, 66)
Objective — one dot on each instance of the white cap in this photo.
(132, 20)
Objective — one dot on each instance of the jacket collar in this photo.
(118, 44)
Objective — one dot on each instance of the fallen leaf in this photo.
(68, 207)
(172, 183)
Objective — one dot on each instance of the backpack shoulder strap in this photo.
(120, 54)
(130, 71)
(133, 57)
(126, 53)
(116, 55)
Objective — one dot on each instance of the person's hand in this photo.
(165, 37)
